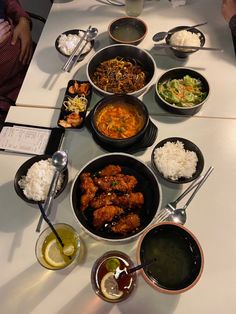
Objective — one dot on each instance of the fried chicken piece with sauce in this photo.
(105, 214)
(126, 224)
(130, 200)
(89, 188)
(120, 182)
(110, 170)
(103, 199)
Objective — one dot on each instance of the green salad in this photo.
(185, 92)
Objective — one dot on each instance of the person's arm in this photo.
(229, 13)
(21, 30)
(15, 11)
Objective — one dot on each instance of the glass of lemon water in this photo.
(49, 252)
(103, 279)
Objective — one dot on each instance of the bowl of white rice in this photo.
(179, 36)
(177, 160)
(67, 41)
(33, 179)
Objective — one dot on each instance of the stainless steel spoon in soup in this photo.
(161, 35)
(59, 161)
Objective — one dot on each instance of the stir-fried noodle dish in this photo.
(119, 76)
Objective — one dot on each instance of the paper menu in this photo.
(24, 139)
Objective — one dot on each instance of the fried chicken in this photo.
(89, 188)
(120, 182)
(110, 170)
(128, 200)
(103, 199)
(126, 224)
(105, 214)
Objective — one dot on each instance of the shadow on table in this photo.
(24, 292)
(143, 299)
(14, 218)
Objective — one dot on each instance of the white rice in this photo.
(185, 38)
(67, 43)
(174, 162)
(37, 181)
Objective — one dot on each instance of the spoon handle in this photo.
(189, 189)
(209, 171)
(44, 216)
(67, 64)
(190, 27)
(49, 199)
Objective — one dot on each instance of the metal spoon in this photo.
(120, 272)
(161, 35)
(90, 35)
(59, 161)
(178, 215)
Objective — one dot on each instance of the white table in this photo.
(45, 82)
(28, 288)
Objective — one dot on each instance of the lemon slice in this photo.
(110, 288)
(53, 255)
(68, 249)
(112, 264)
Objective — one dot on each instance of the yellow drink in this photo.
(49, 251)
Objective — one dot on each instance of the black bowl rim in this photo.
(176, 226)
(118, 140)
(200, 163)
(183, 27)
(72, 31)
(131, 18)
(107, 239)
(138, 92)
(201, 76)
(28, 163)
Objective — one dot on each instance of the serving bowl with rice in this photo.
(177, 160)
(33, 179)
(181, 37)
(67, 41)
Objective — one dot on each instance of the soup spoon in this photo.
(178, 215)
(59, 161)
(161, 35)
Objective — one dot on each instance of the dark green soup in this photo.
(178, 257)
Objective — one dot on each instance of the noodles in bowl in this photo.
(121, 69)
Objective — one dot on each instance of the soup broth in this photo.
(176, 256)
(120, 120)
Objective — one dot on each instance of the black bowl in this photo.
(74, 32)
(147, 184)
(179, 73)
(115, 100)
(179, 257)
(22, 171)
(128, 52)
(188, 145)
(127, 30)
(181, 53)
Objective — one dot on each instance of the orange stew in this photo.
(120, 120)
